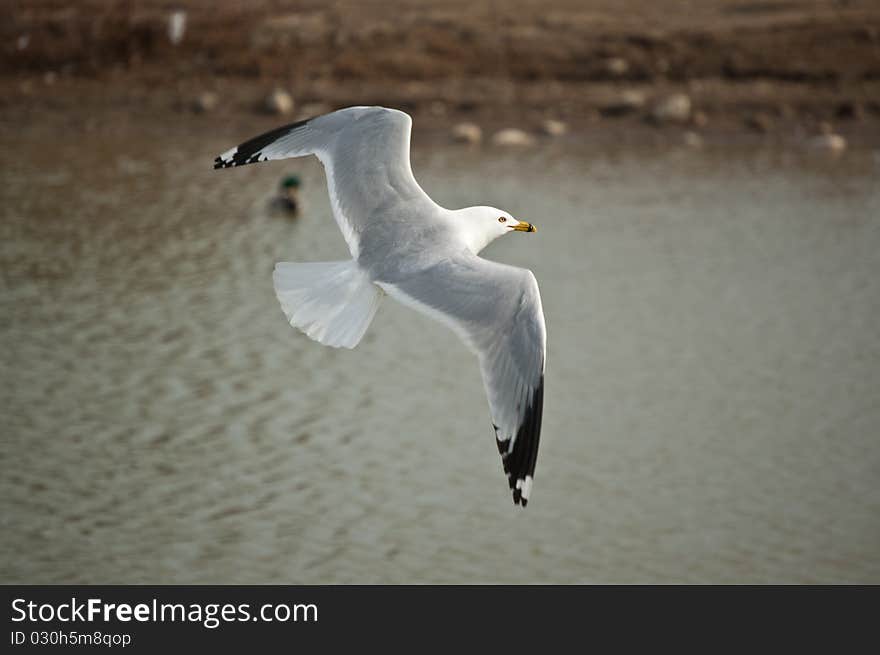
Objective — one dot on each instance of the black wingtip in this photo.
(519, 463)
(251, 151)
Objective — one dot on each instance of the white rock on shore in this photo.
(553, 127)
(467, 133)
(616, 66)
(279, 102)
(675, 108)
(833, 143)
(205, 102)
(176, 26)
(512, 137)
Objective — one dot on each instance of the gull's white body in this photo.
(402, 243)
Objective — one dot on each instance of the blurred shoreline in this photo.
(780, 71)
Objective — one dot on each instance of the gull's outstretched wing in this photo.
(365, 153)
(496, 310)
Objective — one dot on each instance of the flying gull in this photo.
(425, 256)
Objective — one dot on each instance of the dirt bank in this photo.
(770, 69)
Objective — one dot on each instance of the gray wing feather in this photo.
(365, 153)
(496, 310)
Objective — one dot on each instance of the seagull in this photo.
(406, 246)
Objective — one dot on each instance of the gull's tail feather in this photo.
(332, 302)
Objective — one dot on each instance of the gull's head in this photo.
(485, 224)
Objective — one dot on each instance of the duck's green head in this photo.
(290, 182)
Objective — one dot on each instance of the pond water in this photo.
(711, 409)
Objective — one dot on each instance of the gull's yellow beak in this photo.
(522, 226)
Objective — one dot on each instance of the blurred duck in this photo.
(287, 201)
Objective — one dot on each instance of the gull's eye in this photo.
(502, 220)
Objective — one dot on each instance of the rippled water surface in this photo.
(711, 411)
